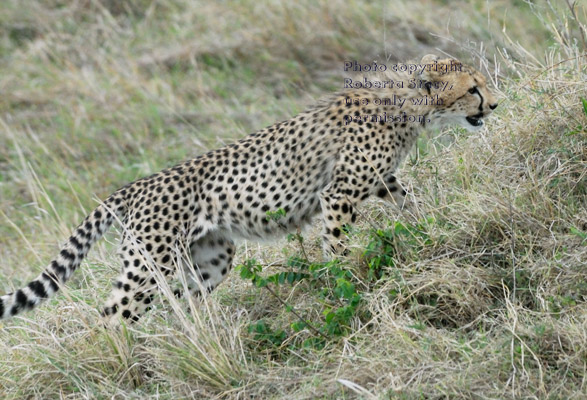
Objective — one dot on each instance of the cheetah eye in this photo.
(473, 90)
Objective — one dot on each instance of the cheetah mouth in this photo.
(475, 121)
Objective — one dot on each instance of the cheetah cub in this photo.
(325, 160)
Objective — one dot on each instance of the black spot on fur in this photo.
(21, 301)
(38, 289)
(52, 279)
(67, 255)
(76, 244)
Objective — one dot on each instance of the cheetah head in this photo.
(465, 98)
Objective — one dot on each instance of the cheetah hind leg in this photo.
(134, 290)
(211, 260)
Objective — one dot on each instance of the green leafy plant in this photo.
(263, 333)
(382, 248)
(341, 301)
(339, 294)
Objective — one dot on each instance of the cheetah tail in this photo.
(70, 256)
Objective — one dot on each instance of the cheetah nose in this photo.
(493, 106)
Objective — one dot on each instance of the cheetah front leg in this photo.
(339, 201)
(337, 211)
(348, 188)
(392, 191)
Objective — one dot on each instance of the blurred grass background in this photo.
(97, 93)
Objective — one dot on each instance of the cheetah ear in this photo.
(429, 74)
(429, 59)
